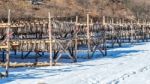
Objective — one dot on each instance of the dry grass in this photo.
(66, 8)
(22, 8)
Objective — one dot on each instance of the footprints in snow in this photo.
(93, 81)
(125, 76)
(144, 69)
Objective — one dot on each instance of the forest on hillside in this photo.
(130, 9)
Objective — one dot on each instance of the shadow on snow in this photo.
(37, 73)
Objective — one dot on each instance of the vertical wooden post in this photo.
(131, 25)
(104, 39)
(138, 22)
(120, 21)
(112, 21)
(76, 40)
(88, 35)
(112, 33)
(113, 26)
(91, 24)
(120, 32)
(50, 39)
(137, 37)
(103, 21)
(8, 46)
(143, 30)
(123, 21)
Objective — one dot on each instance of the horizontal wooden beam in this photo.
(3, 46)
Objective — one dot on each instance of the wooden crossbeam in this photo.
(6, 25)
(3, 47)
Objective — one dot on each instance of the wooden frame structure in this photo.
(59, 37)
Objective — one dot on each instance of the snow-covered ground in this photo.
(126, 65)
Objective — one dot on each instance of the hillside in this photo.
(40, 8)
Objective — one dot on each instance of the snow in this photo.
(125, 65)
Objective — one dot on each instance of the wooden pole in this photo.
(112, 21)
(76, 41)
(8, 46)
(88, 34)
(143, 30)
(50, 39)
(104, 40)
(131, 25)
(104, 21)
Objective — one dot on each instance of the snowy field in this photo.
(126, 65)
